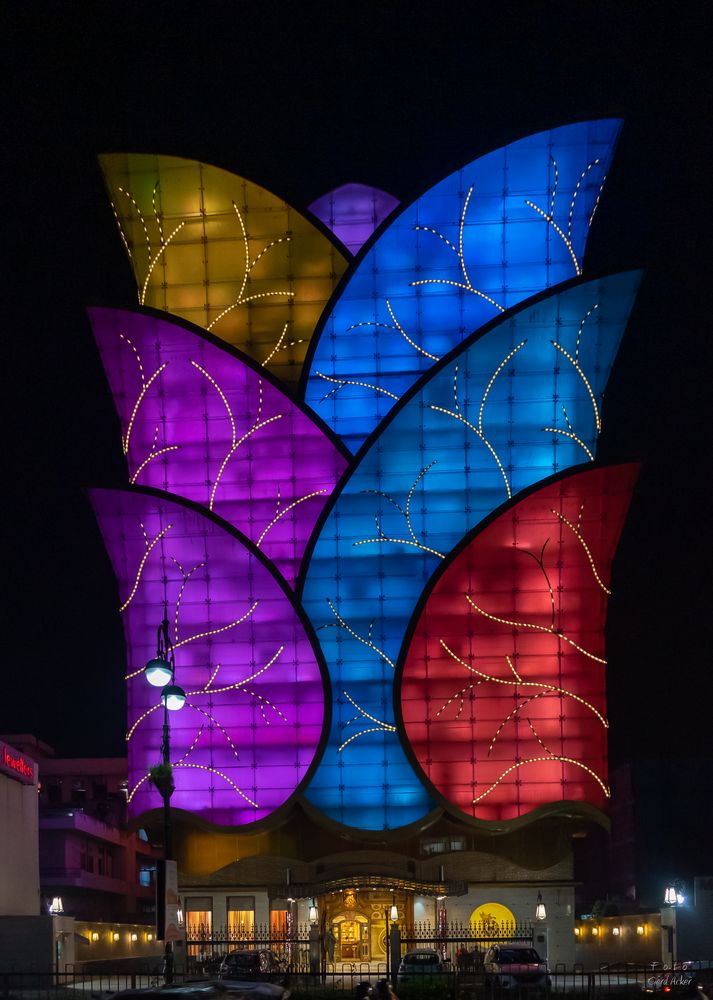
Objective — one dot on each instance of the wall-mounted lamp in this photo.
(616, 931)
(313, 910)
(674, 894)
(179, 914)
(641, 930)
(95, 935)
(56, 905)
(540, 911)
(577, 931)
(134, 936)
(115, 936)
(595, 931)
(149, 936)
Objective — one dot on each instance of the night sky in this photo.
(302, 98)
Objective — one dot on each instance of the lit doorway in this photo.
(351, 932)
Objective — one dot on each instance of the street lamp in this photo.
(161, 672)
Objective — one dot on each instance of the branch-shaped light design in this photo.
(466, 285)
(164, 242)
(478, 430)
(394, 325)
(378, 727)
(549, 216)
(248, 266)
(341, 623)
(235, 441)
(406, 514)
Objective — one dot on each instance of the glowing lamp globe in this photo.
(158, 672)
(173, 697)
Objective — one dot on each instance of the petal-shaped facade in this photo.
(499, 230)
(202, 423)
(506, 410)
(224, 253)
(353, 211)
(503, 687)
(254, 711)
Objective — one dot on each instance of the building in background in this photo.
(19, 857)
(88, 859)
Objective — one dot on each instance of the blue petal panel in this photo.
(504, 411)
(498, 231)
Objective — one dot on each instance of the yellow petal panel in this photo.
(224, 253)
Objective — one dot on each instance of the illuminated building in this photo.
(370, 508)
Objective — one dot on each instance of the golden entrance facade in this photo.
(355, 921)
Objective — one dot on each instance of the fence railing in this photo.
(457, 984)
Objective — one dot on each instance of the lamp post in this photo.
(386, 941)
(161, 672)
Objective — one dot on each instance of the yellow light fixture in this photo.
(641, 929)
(577, 931)
(95, 935)
(115, 936)
(134, 936)
(616, 931)
(595, 931)
(149, 936)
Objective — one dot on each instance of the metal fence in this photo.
(619, 982)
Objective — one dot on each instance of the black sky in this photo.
(301, 98)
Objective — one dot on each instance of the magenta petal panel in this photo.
(200, 422)
(353, 211)
(254, 713)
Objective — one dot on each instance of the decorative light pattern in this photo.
(503, 699)
(466, 438)
(207, 425)
(224, 253)
(488, 236)
(502, 707)
(353, 211)
(255, 733)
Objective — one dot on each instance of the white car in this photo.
(418, 964)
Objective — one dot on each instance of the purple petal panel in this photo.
(254, 712)
(201, 423)
(353, 211)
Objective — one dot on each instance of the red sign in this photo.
(16, 765)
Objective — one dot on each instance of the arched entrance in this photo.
(351, 933)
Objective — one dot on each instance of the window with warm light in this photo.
(241, 917)
(278, 923)
(199, 919)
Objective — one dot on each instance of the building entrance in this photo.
(351, 933)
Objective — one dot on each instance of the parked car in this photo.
(515, 967)
(248, 963)
(419, 963)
